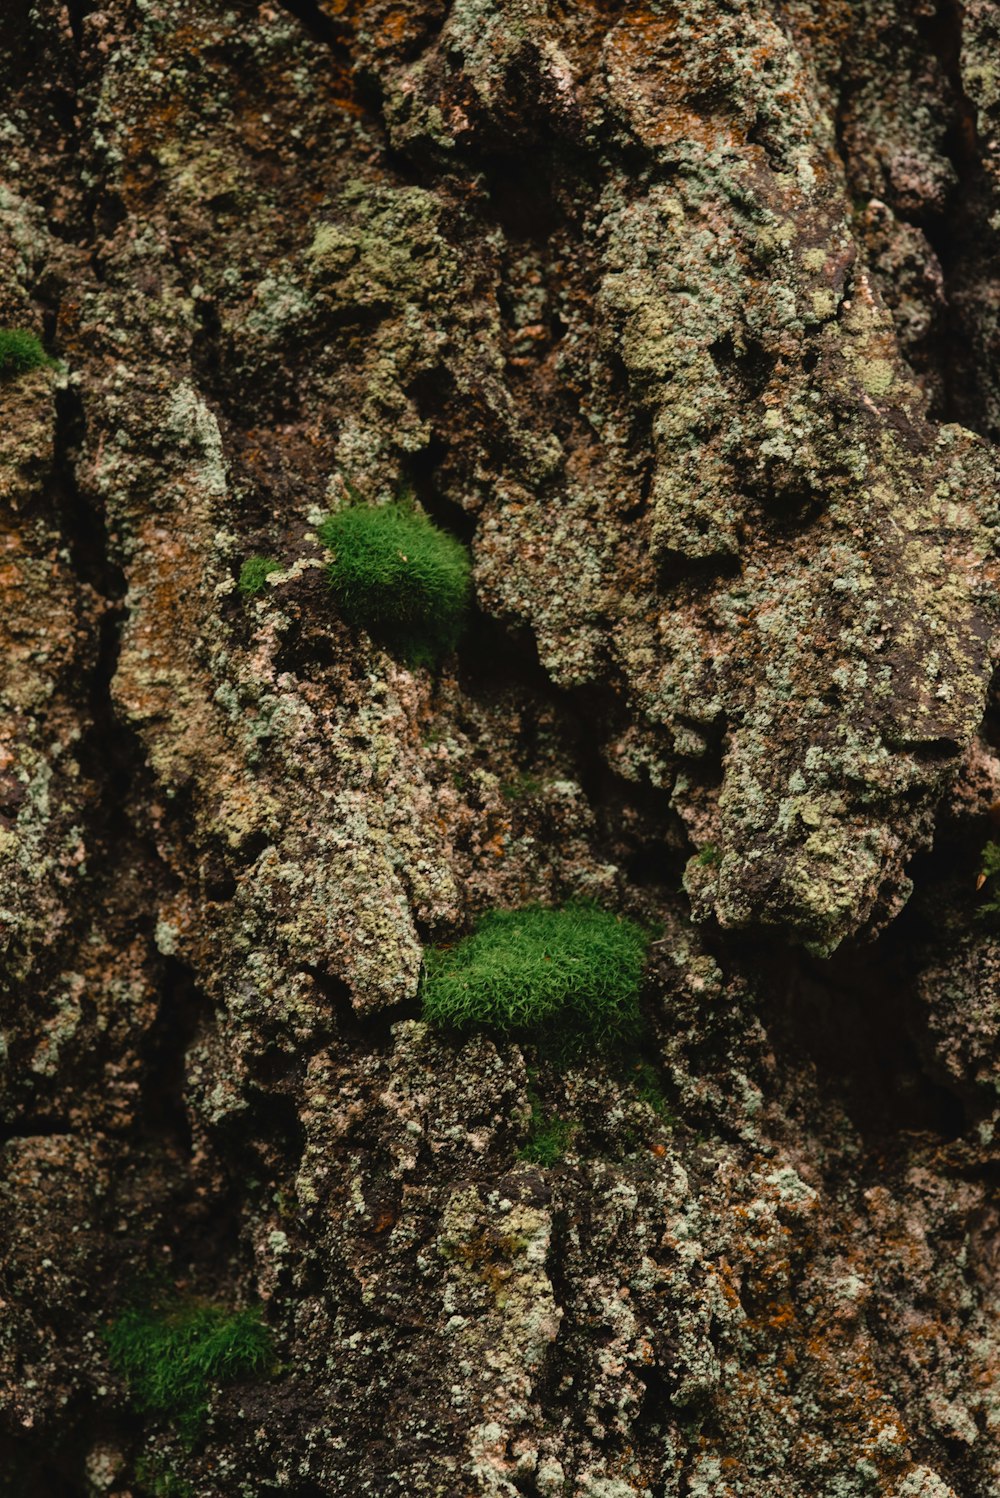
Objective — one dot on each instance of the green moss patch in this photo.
(649, 1090)
(573, 972)
(21, 351)
(397, 575)
(175, 1356)
(254, 574)
(549, 1137)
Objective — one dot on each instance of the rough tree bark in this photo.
(686, 318)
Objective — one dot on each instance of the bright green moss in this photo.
(571, 972)
(21, 351)
(174, 1356)
(254, 573)
(397, 575)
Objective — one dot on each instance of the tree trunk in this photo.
(683, 318)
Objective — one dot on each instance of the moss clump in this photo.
(160, 1481)
(548, 1138)
(254, 574)
(521, 788)
(574, 972)
(649, 1090)
(989, 869)
(20, 351)
(398, 576)
(174, 1356)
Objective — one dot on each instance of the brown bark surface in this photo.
(685, 319)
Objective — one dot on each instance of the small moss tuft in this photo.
(173, 1356)
(21, 351)
(254, 573)
(521, 788)
(649, 1090)
(160, 1481)
(548, 1138)
(398, 576)
(574, 972)
(989, 869)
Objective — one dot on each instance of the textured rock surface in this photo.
(687, 320)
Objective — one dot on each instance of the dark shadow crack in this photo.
(324, 28)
